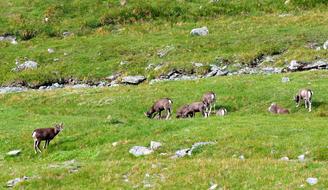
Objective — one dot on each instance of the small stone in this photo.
(214, 186)
(114, 144)
(140, 151)
(285, 79)
(25, 66)
(50, 50)
(198, 64)
(312, 180)
(199, 31)
(301, 158)
(181, 153)
(13, 182)
(285, 158)
(293, 65)
(14, 153)
(133, 79)
(66, 34)
(242, 157)
(165, 51)
(325, 45)
(155, 145)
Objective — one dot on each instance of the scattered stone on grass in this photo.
(312, 180)
(140, 151)
(203, 31)
(13, 182)
(14, 153)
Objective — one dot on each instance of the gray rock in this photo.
(242, 157)
(133, 79)
(285, 79)
(113, 77)
(66, 34)
(14, 153)
(155, 145)
(312, 180)
(181, 153)
(140, 151)
(222, 112)
(325, 45)
(11, 39)
(320, 64)
(5, 90)
(271, 70)
(294, 65)
(25, 66)
(77, 86)
(213, 187)
(199, 31)
(165, 51)
(222, 73)
(13, 182)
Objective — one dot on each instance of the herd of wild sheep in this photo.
(208, 102)
(187, 111)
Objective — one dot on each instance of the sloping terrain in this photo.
(100, 35)
(101, 125)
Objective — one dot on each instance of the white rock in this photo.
(198, 64)
(4, 90)
(50, 50)
(140, 151)
(155, 145)
(285, 158)
(222, 112)
(114, 144)
(242, 157)
(14, 153)
(124, 63)
(13, 182)
(133, 79)
(301, 158)
(199, 31)
(214, 186)
(312, 180)
(325, 45)
(26, 65)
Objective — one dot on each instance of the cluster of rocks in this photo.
(295, 65)
(27, 65)
(141, 150)
(317, 46)
(188, 151)
(8, 38)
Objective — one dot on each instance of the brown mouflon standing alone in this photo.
(275, 109)
(222, 112)
(209, 99)
(45, 134)
(158, 107)
(306, 95)
(184, 112)
(198, 107)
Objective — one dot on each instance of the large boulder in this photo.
(25, 66)
(203, 31)
(133, 79)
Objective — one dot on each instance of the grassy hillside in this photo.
(95, 118)
(104, 33)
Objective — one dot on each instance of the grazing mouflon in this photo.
(306, 95)
(209, 99)
(184, 112)
(158, 107)
(275, 109)
(197, 107)
(45, 134)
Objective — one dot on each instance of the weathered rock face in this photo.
(302, 66)
(203, 31)
(8, 38)
(133, 79)
(25, 66)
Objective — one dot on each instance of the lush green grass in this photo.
(240, 31)
(95, 118)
